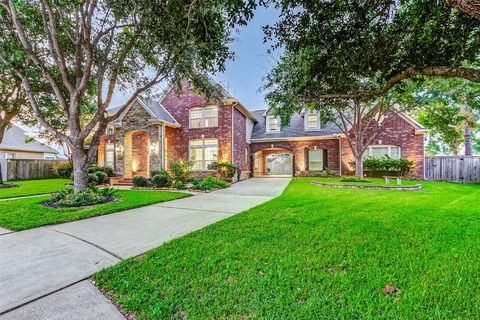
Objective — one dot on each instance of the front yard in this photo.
(317, 252)
(33, 187)
(29, 213)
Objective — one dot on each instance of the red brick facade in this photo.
(149, 149)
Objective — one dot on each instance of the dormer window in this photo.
(273, 124)
(204, 117)
(312, 120)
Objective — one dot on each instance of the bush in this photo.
(63, 169)
(161, 180)
(95, 168)
(180, 185)
(102, 177)
(353, 179)
(157, 172)
(139, 181)
(180, 170)
(225, 170)
(92, 179)
(91, 196)
(209, 183)
(378, 167)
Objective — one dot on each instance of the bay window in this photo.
(203, 117)
(202, 153)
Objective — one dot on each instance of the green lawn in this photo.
(371, 182)
(317, 253)
(33, 187)
(30, 213)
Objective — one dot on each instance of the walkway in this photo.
(44, 271)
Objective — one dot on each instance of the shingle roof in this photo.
(155, 108)
(296, 128)
(14, 139)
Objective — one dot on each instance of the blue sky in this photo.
(243, 75)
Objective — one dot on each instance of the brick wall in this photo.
(298, 149)
(178, 138)
(241, 147)
(397, 132)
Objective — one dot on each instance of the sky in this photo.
(243, 75)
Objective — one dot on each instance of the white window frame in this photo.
(7, 155)
(315, 161)
(203, 117)
(309, 113)
(49, 156)
(112, 149)
(269, 130)
(203, 166)
(368, 152)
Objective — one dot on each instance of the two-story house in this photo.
(149, 133)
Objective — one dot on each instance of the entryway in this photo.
(273, 163)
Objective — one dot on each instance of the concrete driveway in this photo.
(43, 271)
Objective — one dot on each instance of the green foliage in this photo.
(161, 180)
(180, 170)
(102, 177)
(92, 179)
(209, 183)
(157, 171)
(91, 196)
(108, 170)
(63, 169)
(346, 47)
(139, 181)
(378, 167)
(226, 170)
(179, 185)
(353, 179)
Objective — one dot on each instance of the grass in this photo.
(30, 213)
(33, 187)
(317, 253)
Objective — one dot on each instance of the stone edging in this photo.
(349, 186)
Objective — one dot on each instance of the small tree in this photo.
(92, 48)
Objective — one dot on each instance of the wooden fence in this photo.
(20, 169)
(453, 168)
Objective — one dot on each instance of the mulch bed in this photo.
(8, 185)
(349, 186)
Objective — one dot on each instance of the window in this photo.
(312, 120)
(204, 117)
(315, 160)
(110, 130)
(393, 152)
(110, 155)
(48, 156)
(202, 153)
(7, 155)
(273, 124)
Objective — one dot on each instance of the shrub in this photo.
(180, 185)
(92, 179)
(63, 169)
(161, 180)
(377, 167)
(91, 196)
(353, 179)
(209, 183)
(95, 168)
(225, 170)
(180, 170)
(139, 181)
(101, 177)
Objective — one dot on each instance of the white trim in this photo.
(267, 124)
(154, 118)
(202, 108)
(158, 121)
(388, 146)
(203, 151)
(305, 122)
(294, 139)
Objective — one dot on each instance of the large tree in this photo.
(471, 7)
(357, 49)
(95, 47)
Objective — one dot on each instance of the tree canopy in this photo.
(357, 49)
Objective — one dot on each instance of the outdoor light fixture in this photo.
(119, 149)
(153, 147)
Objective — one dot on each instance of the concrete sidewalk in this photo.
(40, 263)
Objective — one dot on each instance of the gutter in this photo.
(294, 139)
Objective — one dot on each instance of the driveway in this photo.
(44, 271)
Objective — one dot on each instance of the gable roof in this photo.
(14, 139)
(154, 108)
(295, 129)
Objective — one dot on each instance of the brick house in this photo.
(149, 133)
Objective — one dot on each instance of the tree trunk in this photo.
(467, 139)
(80, 169)
(359, 166)
(1, 175)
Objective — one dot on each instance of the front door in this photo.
(279, 164)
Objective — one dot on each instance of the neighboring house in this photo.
(17, 145)
(148, 134)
